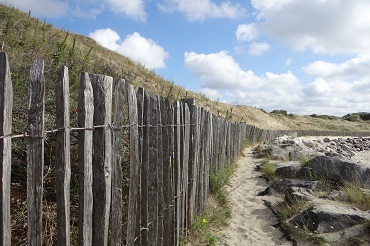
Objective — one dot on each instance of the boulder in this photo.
(324, 218)
(283, 184)
(339, 170)
(298, 194)
(289, 169)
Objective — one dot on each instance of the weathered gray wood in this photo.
(62, 158)
(35, 152)
(160, 174)
(153, 170)
(177, 170)
(102, 157)
(167, 170)
(6, 105)
(134, 167)
(185, 166)
(193, 161)
(143, 101)
(173, 190)
(85, 109)
(116, 214)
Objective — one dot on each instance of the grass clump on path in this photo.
(205, 228)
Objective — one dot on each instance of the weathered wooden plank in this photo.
(185, 166)
(167, 170)
(62, 158)
(102, 157)
(153, 170)
(85, 109)
(116, 214)
(177, 170)
(35, 152)
(6, 106)
(160, 173)
(173, 190)
(134, 166)
(193, 161)
(143, 100)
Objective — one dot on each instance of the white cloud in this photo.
(337, 26)
(257, 49)
(132, 8)
(134, 46)
(41, 8)
(222, 77)
(355, 67)
(246, 32)
(143, 50)
(107, 38)
(200, 10)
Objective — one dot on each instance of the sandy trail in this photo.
(252, 221)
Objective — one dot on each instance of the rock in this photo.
(298, 194)
(338, 170)
(283, 184)
(324, 218)
(288, 169)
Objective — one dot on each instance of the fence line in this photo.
(172, 151)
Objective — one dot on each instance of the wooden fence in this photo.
(173, 148)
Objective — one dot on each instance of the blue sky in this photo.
(304, 56)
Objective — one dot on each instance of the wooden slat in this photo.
(160, 174)
(102, 157)
(185, 165)
(152, 173)
(193, 161)
(85, 109)
(177, 170)
(167, 181)
(143, 101)
(134, 167)
(116, 214)
(6, 105)
(62, 158)
(35, 152)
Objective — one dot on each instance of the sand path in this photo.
(252, 221)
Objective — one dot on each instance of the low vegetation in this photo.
(206, 227)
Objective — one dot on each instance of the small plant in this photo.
(268, 171)
(217, 213)
(356, 196)
(304, 160)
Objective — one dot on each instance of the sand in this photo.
(252, 222)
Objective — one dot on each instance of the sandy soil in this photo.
(252, 221)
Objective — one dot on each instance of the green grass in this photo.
(268, 171)
(205, 228)
(356, 196)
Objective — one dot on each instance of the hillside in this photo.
(26, 39)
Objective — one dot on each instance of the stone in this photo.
(339, 170)
(324, 218)
(288, 169)
(283, 184)
(298, 194)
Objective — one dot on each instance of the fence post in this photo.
(62, 158)
(152, 172)
(116, 215)
(160, 172)
(85, 109)
(134, 167)
(6, 106)
(167, 173)
(35, 152)
(102, 157)
(143, 119)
